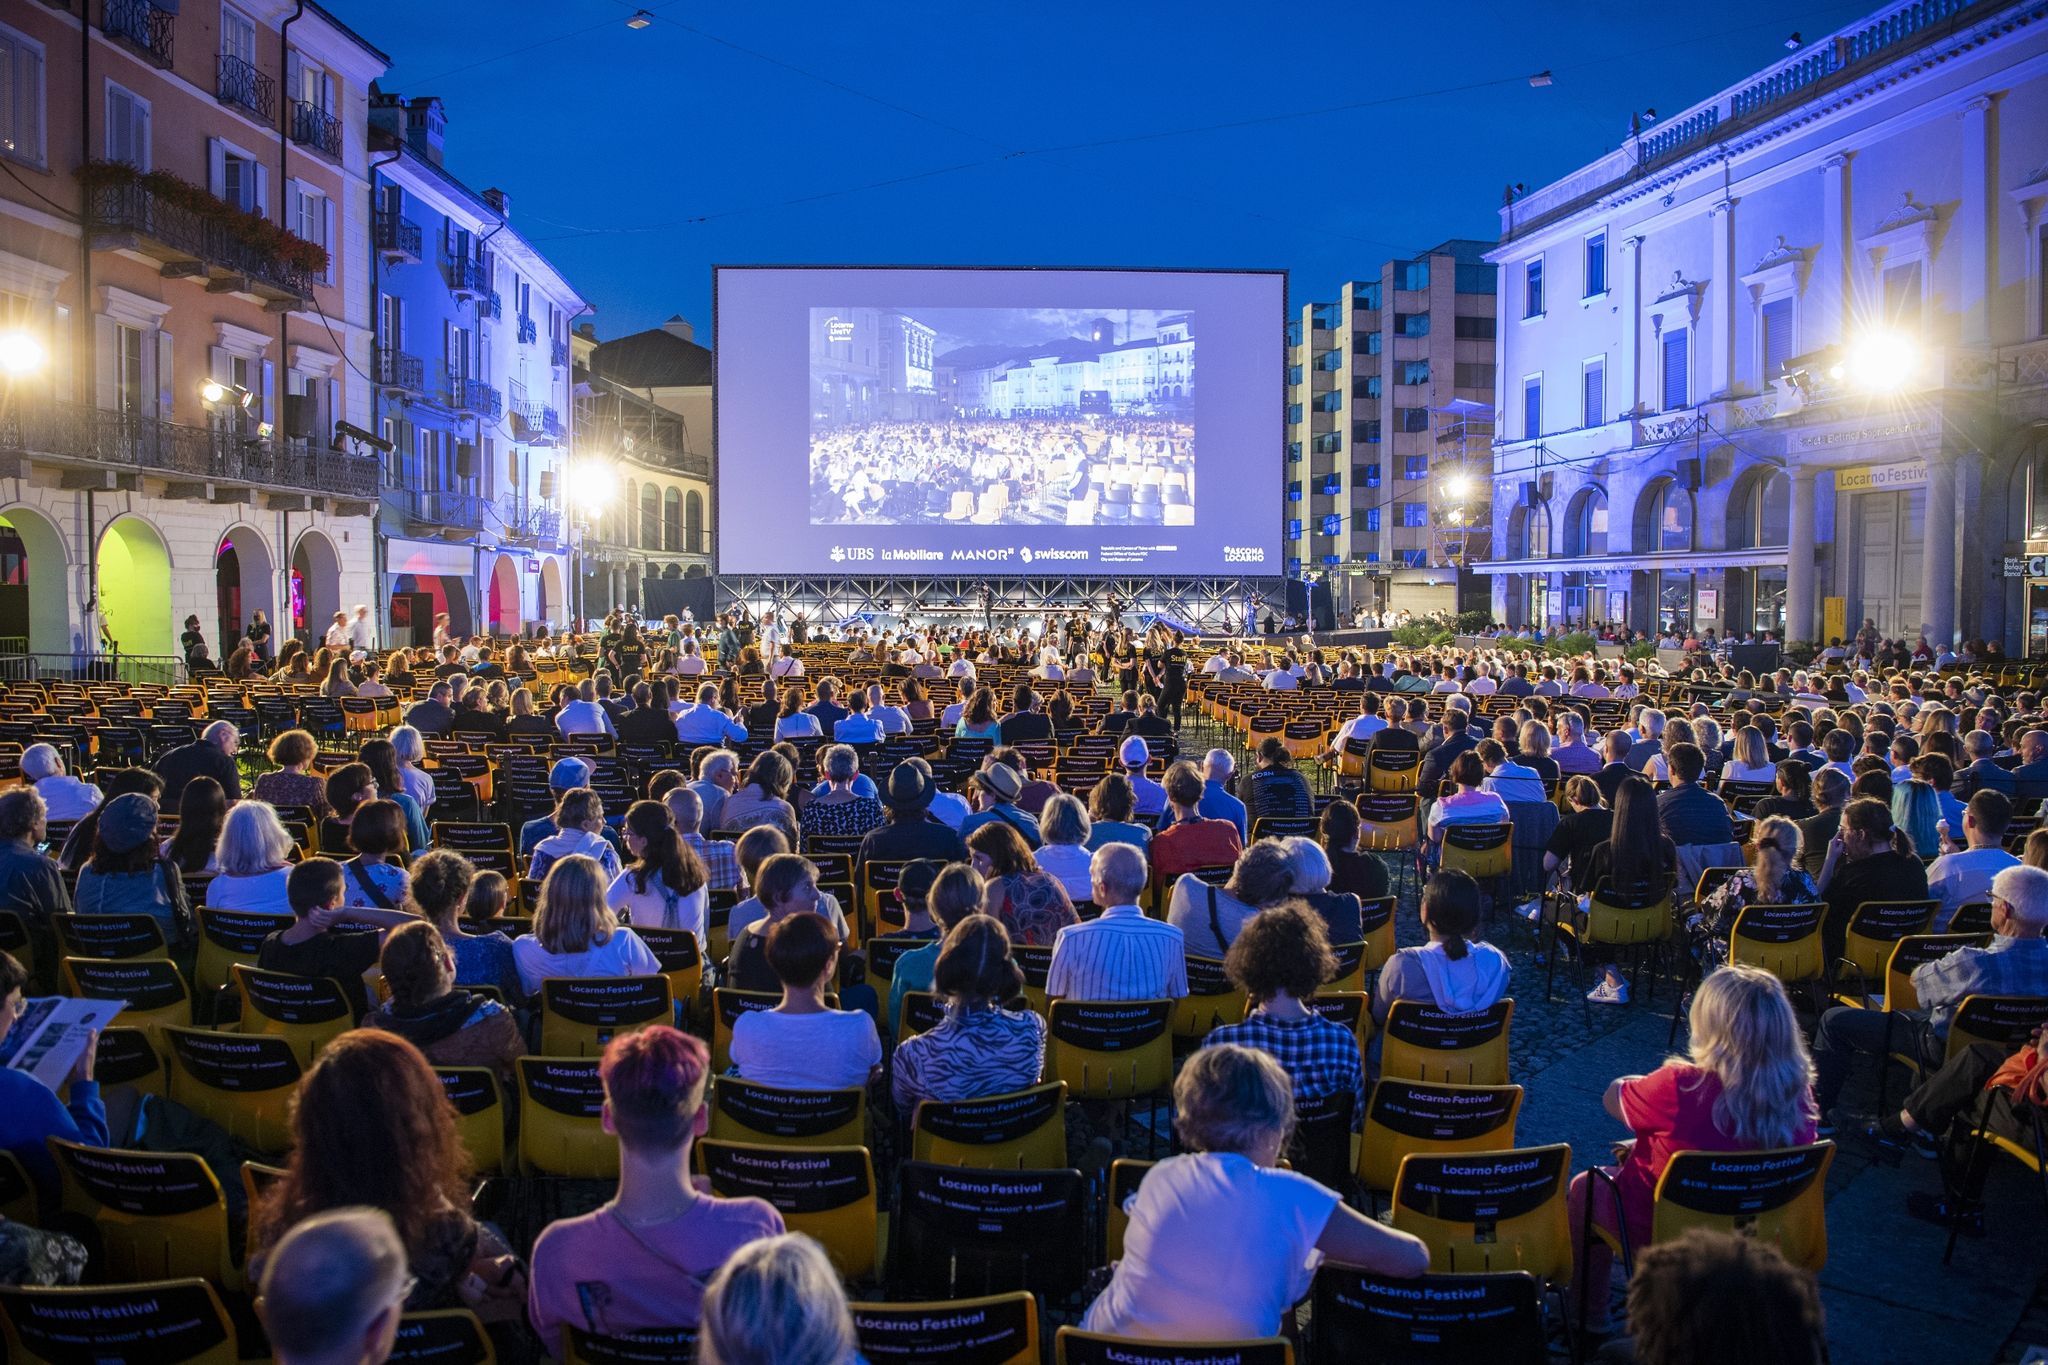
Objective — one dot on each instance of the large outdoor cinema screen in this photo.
(1078, 423)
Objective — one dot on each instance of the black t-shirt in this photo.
(1021, 726)
(1791, 807)
(1361, 874)
(1600, 866)
(1577, 835)
(1887, 876)
(342, 955)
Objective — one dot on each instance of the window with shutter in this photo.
(127, 127)
(1593, 393)
(1532, 407)
(21, 98)
(1676, 385)
(1777, 328)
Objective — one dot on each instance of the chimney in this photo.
(587, 329)
(500, 201)
(387, 115)
(426, 126)
(678, 326)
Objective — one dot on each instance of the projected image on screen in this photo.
(1002, 416)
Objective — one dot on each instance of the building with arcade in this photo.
(184, 289)
(472, 372)
(1761, 366)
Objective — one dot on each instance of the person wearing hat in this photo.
(194, 645)
(127, 876)
(996, 789)
(1149, 796)
(569, 773)
(909, 829)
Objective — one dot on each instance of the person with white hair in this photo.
(1065, 827)
(1217, 802)
(334, 1289)
(253, 855)
(411, 750)
(2015, 962)
(65, 797)
(211, 755)
(1123, 953)
(777, 1301)
(1049, 667)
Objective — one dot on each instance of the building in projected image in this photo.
(871, 365)
(1097, 373)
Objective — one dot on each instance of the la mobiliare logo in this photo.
(992, 554)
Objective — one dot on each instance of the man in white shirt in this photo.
(1281, 679)
(583, 715)
(1123, 954)
(718, 776)
(961, 667)
(1482, 684)
(691, 664)
(894, 720)
(1963, 872)
(67, 797)
(1511, 782)
(362, 631)
(950, 717)
(1216, 662)
(1362, 726)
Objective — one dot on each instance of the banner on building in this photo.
(1876, 478)
(2026, 566)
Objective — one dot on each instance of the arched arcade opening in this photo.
(244, 582)
(35, 584)
(316, 586)
(135, 589)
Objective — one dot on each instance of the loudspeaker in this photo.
(547, 484)
(298, 416)
(1689, 474)
(1528, 493)
(465, 460)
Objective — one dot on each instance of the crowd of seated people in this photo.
(1025, 866)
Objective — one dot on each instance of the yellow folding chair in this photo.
(727, 1005)
(579, 1016)
(244, 1082)
(1874, 929)
(1406, 1117)
(108, 936)
(309, 1012)
(227, 937)
(1210, 1003)
(1110, 1050)
(1422, 1043)
(1784, 940)
(152, 987)
(999, 1329)
(444, 1336)
(479, 1114)
(682, 961)
(1025, 1130)
(1489, 1211)
(168, 1322)
(131, 1057)
(1777, 1195)
(159, 1215)
(1376, 920)
(561, 1132)
(742, 1111)
(827, 1193)
(1393, 770)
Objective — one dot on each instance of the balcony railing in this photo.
(440, 506)
(398, 239)
(474, 396)
(521, 520)
(469, 276)
(177, 234)
(314, 127)
(529, 331)
(125, 440)
(536, 422)
(243, 85)
(397, 370)
(491, 305)
(141, 24)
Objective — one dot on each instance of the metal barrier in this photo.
(17, 665)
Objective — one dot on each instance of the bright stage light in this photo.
(1458, 486)
(21, 354)
(1882, 361)
(590, 485)
(213, 391)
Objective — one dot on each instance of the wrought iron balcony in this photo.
(536, 423)
(491, 305)
(558, 353)
(398, 371)
(448, 508)
(243, 85)
(134, 217)
(143, 25)
(522, 521)
(474, 396)
(398, 239)
(469, 278)
(77, 434)
(313, 126)
(529, 331)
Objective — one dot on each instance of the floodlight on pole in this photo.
(21, 354)
(1880, 361)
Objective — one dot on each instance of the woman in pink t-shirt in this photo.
(1747, 1084)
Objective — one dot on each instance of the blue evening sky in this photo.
(909, 132)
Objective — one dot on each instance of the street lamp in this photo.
(21, 353)
(1881, 360)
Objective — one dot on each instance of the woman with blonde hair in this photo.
(410, 749)
(1772, 878)
(1745, 1084)
(1752, 760)
(575, 932)
(777, 1301)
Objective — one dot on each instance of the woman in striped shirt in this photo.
(979, 1048)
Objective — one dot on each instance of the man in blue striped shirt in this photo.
(1121, 954)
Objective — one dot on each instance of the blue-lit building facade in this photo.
(1761, 366)
(472, 370)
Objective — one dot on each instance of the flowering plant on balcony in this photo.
(252, 229)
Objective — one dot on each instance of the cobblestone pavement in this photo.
(1887, 1295)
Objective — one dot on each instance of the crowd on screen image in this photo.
(1028, 469)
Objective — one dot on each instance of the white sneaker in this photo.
(1609, 992)
(1531, 911)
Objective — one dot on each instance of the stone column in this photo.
(1722, 286)
(1977, 220)
(1799, 603)
(1938, 551)
(1834, 277)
